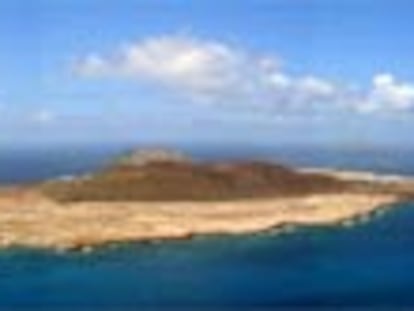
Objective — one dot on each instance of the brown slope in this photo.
(168, 181)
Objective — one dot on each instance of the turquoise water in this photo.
(370, 264)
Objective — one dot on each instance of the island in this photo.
(149, 195)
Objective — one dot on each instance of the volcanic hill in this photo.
(160, 175)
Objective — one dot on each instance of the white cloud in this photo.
(92, 65)
(279, 81)
(172, 61)
(315, 87)
(214, 72)
(388, 95)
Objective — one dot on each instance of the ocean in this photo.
(370, 264)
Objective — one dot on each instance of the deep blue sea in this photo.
(368, 265)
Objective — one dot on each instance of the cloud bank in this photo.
(207, 71)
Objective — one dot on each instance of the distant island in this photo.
(160, 194)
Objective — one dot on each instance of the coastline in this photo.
(364, 176)
(35, 216)
(37, 222)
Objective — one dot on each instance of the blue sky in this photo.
(304, 71)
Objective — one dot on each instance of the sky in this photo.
(267, 72)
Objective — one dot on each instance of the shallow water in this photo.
(369, 264)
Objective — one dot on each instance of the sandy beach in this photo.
(28, 219)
